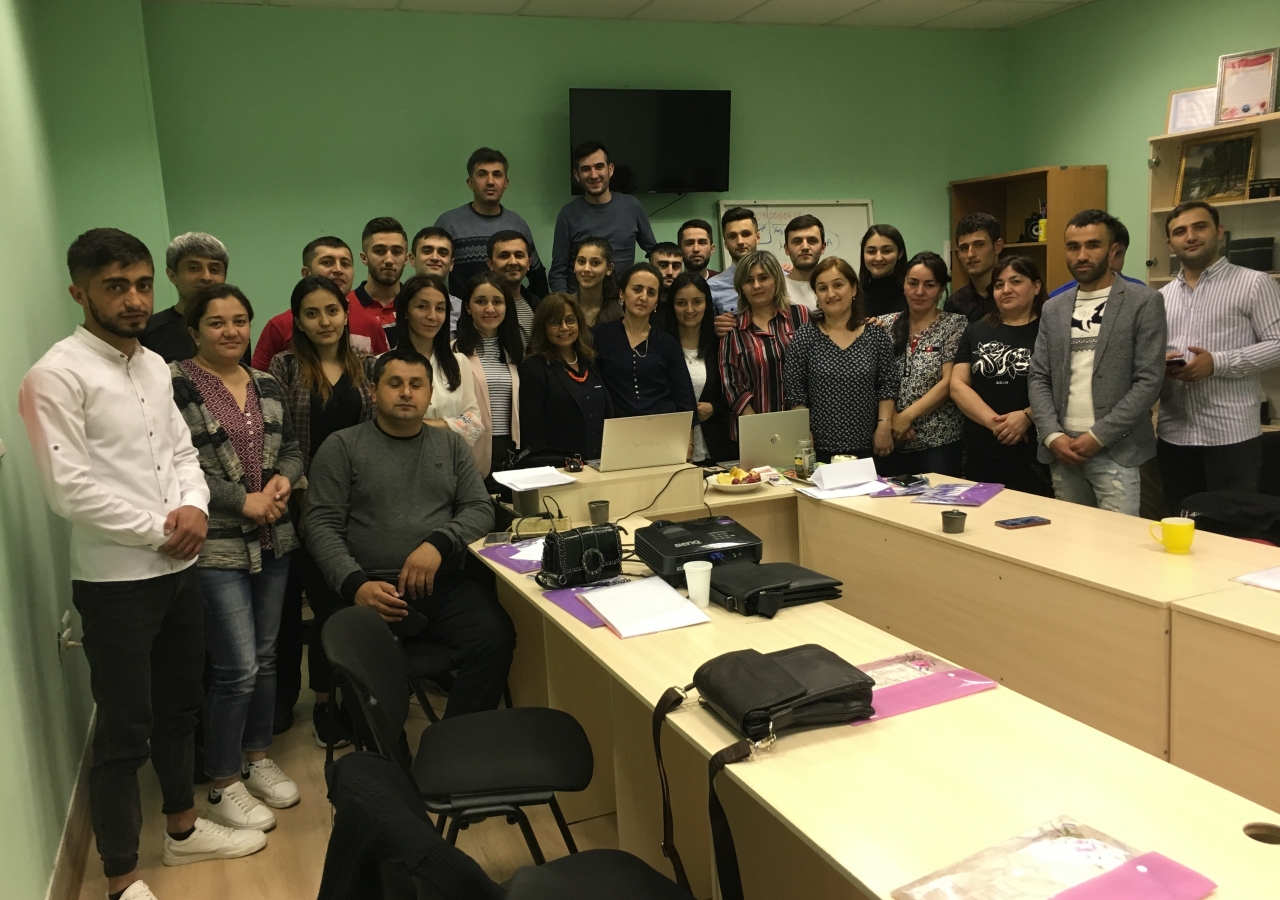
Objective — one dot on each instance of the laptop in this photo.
(771, 439)
(638, 442)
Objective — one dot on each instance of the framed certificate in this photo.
(1246, 85)
(1193, 109)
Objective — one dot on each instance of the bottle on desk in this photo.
(806, 461)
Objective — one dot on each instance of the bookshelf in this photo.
(1013, 196)
(1259, 217)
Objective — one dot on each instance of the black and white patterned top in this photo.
(842, 388)
(498, 376)
(919, 369)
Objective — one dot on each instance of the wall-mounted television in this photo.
(659, 141)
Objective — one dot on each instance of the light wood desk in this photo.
(1074, 614)
(1225, 690)
(855, 812)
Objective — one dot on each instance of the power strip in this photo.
(535, 527)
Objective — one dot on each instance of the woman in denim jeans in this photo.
(250, 460)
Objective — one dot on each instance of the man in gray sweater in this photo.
(392, 506)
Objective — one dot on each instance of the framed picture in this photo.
(1218, 168)
(1193, 109)
(1247, 85)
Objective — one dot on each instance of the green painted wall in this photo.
(77, 150)
(279, 125)
(1094, 84)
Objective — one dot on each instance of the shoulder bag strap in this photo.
(670, 699)
(721, 835)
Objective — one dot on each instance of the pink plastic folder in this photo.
(502, 555)
(916, 680)
(1150, 876)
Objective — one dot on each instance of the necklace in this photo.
(636, 352)
(580, 378)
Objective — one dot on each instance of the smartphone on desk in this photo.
(907, 481)
(1024, 522)
(497, 537)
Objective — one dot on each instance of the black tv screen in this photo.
(659, 141)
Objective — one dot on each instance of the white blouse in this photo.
(459, 408)
(698, 375)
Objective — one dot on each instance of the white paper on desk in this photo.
(531, 550)
(845, 474)
(532, 479)
(858, 490)
(640, 607)
(1267, 578)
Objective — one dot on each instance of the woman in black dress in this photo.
(692, 323)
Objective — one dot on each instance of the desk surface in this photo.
(888, 802)
(1112, 552)
(1251, 609)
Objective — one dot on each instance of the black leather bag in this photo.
(761, 695)
(761, 589)
(581, 556)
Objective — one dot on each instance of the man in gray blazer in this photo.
(1096, 372)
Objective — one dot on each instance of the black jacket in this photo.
(715, 431)
(551, 417)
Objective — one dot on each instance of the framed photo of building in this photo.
(1217, 168)
(1247, 85)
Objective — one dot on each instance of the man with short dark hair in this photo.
(666, 258)
(804, 239)
(1224, 330)
(599, 212)
(1118, 251)
(431, 253)
(392, 506)
(384, 249)
(978, 246)
(331, 257)
(741, 234)
(696, 245)
(472, 224)
(116, 460)
(509, 258)
(193, 260)
(1096, 372)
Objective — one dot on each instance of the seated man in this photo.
(393, 505)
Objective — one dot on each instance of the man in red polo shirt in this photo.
(331, 257)
(384, 249)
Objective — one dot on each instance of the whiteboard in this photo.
(844, 221)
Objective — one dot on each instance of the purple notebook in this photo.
(503, 554)
(959, 494)
(568, 600)
(1150, 876)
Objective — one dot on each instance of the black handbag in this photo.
(580, 556)
(761, 695)
(761, 589)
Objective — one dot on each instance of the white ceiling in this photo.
(980, 14)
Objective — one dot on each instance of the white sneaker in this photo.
(138, 891)
(211, 841)
(272, 786)
(239, 809)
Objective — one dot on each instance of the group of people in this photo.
(210, 485)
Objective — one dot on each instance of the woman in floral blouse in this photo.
(926, 424)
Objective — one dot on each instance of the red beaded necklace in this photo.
(581, 379)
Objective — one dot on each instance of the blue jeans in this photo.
(1099, 481)
(241, 622)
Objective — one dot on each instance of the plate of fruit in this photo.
(736, 481)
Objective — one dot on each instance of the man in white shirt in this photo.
(116, 461)
(804, 240)
(741, 234)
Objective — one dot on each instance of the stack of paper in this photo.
(643, 607)
(532, 479)
(844, 474)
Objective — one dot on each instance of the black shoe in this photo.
(321, 722)
(283, 720)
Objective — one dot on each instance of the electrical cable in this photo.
(679, 197)
(660, 493)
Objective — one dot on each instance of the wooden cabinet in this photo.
(1014, 196)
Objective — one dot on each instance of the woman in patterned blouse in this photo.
(926, 424)
(753, 354)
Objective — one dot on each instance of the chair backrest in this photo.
(361, 648)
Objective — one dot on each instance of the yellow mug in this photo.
(1176, 533)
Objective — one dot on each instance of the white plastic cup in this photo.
(697, 574)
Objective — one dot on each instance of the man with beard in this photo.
(1224, 330)
(599, 212)
(804, 240)
(696, 246)
(509, 258)
(116, 460)
(384, 249)
(1091, 397)
(192, 261)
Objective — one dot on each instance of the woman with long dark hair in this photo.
(882, 270)
(493, 345)
(597, 297)
(842, 370)
(990, 379)
(926, 424)
(422, 322)
(327, 387)
(692, 322)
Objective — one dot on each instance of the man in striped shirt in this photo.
(1224, 329)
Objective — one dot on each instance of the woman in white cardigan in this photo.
(493, 345)
(422, 321)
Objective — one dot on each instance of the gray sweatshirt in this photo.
(373, 499)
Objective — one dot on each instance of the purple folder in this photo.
(927, 690)
(568, 600)
(1150, 876)
(502, 555)
(960, 494)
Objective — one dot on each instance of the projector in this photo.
(666, 546)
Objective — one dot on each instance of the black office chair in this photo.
(383, 847)
(470, 767)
